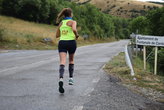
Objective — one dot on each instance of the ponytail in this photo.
(66, 12)
(60, 15)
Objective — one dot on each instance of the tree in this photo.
(1, 6)
(54, 10)
(156, 27)
(126, 33)
(44, 11)
(10, 7)
(90, 19)
(30, 10)
(156, 21)
(141, 24)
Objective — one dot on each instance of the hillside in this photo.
(19, 34)
(123, 8)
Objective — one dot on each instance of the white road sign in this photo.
(150, 40)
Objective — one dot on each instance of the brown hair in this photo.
(66, 12)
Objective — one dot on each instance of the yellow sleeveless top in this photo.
(66, 32)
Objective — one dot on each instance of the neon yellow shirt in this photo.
(66, 32)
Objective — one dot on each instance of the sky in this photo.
(162, 1)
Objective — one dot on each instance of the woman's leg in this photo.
(71, 52)
(71, 68)
(71, 58)
(63, 56)
(71, 65)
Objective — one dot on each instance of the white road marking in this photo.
(87, 91)
(26, 57)
(77, 108)
(96, 80)
(15, 69)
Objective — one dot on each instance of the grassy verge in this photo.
(92, 40)
(146, 82)
(147, 78)
(19, 34)
(32, 46)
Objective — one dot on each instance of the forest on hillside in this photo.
(91, 20)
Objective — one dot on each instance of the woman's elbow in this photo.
(74, 30)
(57, 36)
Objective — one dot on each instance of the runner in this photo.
(68, 35)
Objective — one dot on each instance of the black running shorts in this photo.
(67, 46)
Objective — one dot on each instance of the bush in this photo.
(1, 6)
(126, 33)
(141, 24)
(34, 10)
(10, 7)
(54, 10)
(152, 23)
(2, 34)
(156, 21)
(142, 12)
(120, 26)
(160, 61)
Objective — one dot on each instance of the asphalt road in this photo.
(29, 81)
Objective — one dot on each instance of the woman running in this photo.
(68, 34)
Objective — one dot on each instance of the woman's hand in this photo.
(77, 36)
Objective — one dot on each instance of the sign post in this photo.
(156, 41)
(144, 56)
(136, 50)
(155, 61)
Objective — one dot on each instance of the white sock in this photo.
(61, 79)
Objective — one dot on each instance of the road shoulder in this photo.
(110, 93)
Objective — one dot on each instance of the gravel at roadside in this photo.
(110, 94)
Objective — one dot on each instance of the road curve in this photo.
(29, 81)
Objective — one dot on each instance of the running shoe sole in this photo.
(70, 83)
(61, 89)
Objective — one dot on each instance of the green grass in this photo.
(25, 34)
(144, 78)
(117, 67)
(36, 46)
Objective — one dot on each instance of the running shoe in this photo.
(70, 82)
(61, 89)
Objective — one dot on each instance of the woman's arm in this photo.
(74, 29)
(58, 31)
